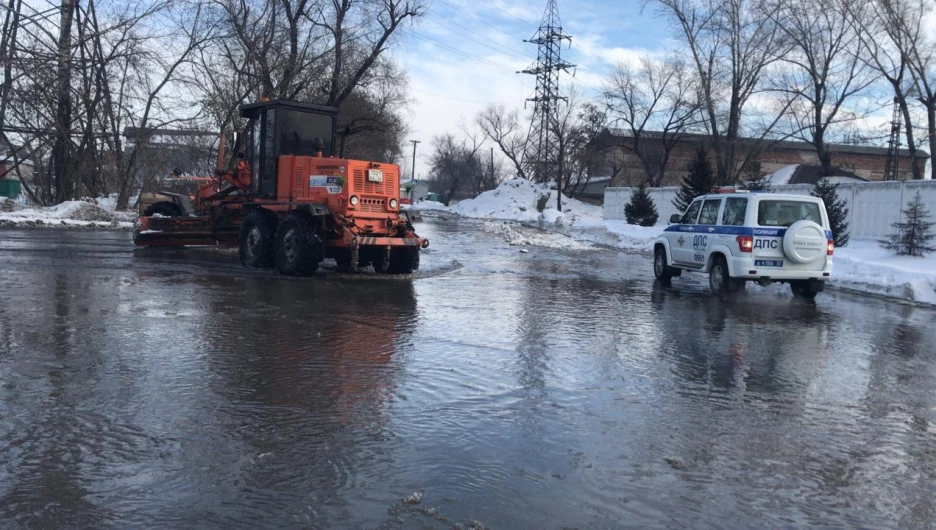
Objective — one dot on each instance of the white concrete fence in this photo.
(872, 206)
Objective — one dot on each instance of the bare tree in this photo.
(63, 117)
(483, 175)
(329, 52)
(195, 33)
(730, 44)
(11, 21)
(655, 104)
(825, 72)
(506, 131)
(885, 47)
(578, 140)
(907, 20)
(455, 164)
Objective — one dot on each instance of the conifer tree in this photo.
(835, 207)
(914, 236)
(753, 179)
(699, 181)
(641, 209)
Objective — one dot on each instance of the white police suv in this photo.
(739, 236)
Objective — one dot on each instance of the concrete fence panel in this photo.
(872, 206)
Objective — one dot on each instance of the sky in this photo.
(464, 54)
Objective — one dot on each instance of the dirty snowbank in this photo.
(73, 214)
(517, 235)
(862, 266)
(423, 206)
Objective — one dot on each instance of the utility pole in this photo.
(543, 143)
(414, 142)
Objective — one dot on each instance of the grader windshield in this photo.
(303, 134)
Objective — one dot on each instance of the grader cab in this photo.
(289, 201)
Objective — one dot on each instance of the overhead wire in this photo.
(616, 21)
(488, 46)
(462, 52)
(459, 99)
(487, 23)
(504, 11)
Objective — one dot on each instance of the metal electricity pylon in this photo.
(542, 149)
(893, 145)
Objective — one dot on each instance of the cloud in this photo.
(465, 54)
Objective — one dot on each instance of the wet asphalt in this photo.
(553, 388)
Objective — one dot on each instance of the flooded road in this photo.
(550, 389)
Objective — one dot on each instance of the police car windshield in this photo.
(785, 213)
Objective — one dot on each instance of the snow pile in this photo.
(516, 200)
(863, 265)
(69, 214)
(633, 236)
(422, 206)
(516, 235)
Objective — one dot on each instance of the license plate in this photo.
(375, 175)
(768, 263)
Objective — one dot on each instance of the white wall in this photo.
(872, 206)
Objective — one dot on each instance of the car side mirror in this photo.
(675, 218)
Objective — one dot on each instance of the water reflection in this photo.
(539, 390)
(305, 380)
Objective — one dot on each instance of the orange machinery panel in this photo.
(334, 181)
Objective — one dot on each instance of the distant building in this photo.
(167, 151)
(590, 190)
(414, 189)
(866, 162)
(810, 174)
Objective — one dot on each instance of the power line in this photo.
(463, 53)
(459, 99)
(487, 23)
(512, 54)
(616, 21)
(504, 11)
(506, 49)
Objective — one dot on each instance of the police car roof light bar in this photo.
(728, 190)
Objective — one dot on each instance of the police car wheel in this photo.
(718, 277)
(661, 270)
(720, 282)
(802, 289)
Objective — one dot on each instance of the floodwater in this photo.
(498, 389)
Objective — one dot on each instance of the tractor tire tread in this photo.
(311, 250)
(266, 222)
